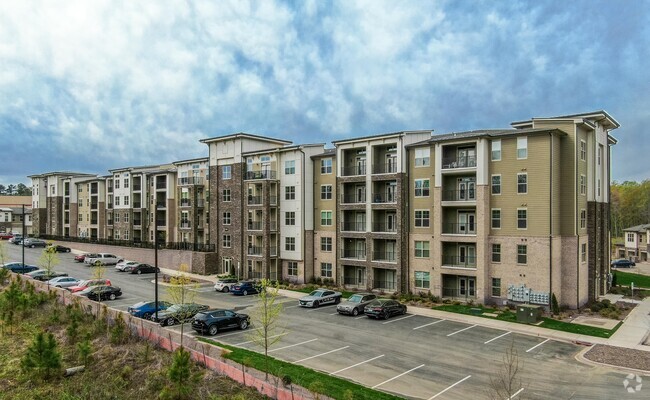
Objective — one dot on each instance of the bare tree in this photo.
(506, 383)
(181, 291)
(265, 317)
(3, 252)
(48, 260)
(98, 273)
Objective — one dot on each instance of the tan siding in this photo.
(319, 204)
(421, 203)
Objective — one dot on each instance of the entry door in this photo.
(360, 219)
(391, 163)
(466, 223)
(390, 192)
(391, 222)
(361, 275)
(361, 193)
(361, 166)
(361, 249)
(467, 287)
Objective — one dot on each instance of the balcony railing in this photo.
(384, 227)
(137, 204)
(255, 226)
(186, 202)
(387, 168)
(94, 206)
(458, 293)
(200, 203)
(109, 222)
(353, 198)
(458, 262)
(260, 175)
(353, 226)
(93, 222)
(254, 200)
(161, 222)
(93, 190)
(137, 187)
(384, 197)
(462, 162)
(109, 189)
(459, 195)
(274, 226)
(137, 222)
(161, 204)
(109, 205)
(387, 256)
(161, 185)
(186, 224)
(66, 221)
(354, 170)
(66, 193)
(387, 285)
(459, 229)
(66, 206)
(191, 180)
(355, 254)
(254, 251)
(353, 281)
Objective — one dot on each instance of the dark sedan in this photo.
(244, 288)
(178, 313)
(141, 269)
(20, 268)
(145, 309)
(623, 263)
(384, 309)
(60, 249)
(214, 321)
(104, 293)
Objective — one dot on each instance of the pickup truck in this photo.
(102, 258)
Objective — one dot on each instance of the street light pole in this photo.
(155, 245)
(22, 243)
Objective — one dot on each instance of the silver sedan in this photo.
(63, 281)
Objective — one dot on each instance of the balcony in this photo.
(274, 251)
(137, 222)
(251, 175)
(255, 226)
(109, 205)
(354, 170)
(109, 189)
(384, 256)
(137, 204)
(93, 190)
(94, 206)
(274, 226)
(386, 168)
(353, 254)
(254, 251)
(384, 197)
(353, 226)
(200, 203)
(192, 180)
(358, 198)
(384, 285)
(137, 187)
(454, 162)
(109, 222)
(459, 195)
(354, 281)
(161, 204)
(388, 227)
(186, 202)
(161, 185)
(458, 229)
(185, 224)
(66, 206)
(93, 222)
(161, 222)
(459, 261)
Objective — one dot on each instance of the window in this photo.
(583, 219)
(326, 218)
(326, 270)
(226, 241)
(496, 150)
(421, 218)
(496, 218)
(226, 218)
(292, 268)
(496, 252)
(421, 188)
(496, 287)
(522, 183)
(422, 157)
(81, 217)
(522, 254)
(583, 185)
(598, 187)
(117, 183)
(600, 153)
(421, 249)
(326, 192)
(326, 166)
(583, 150)
(79, 189)
(290, 167)
(117, 217)
(290, 218)
(226, 172)
(126, 235)
(496, 184)
(290, 244)
(522, 218)
(583, 252)
(290, 193)
(630, 237)
(126, 200)
(117, 235)
(522, 148)
(326, 244)
(117, 200)
(126, 183)
(126, 217)
(422, 279)
(225, 195)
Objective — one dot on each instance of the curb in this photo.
(580, 357)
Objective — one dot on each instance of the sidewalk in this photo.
(635, 329)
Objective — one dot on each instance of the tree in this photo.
(98, 273)
(10, 189)
(22, 190)
(555, 308)
(181, 376)
(49, 259)
(266, 317)
(12, 299)
(505, 383)
(42, 356)
(3, 252)
(181, 291)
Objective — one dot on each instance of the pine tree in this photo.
(180, 376)
(555, 308)
(614, 280)
(42, 356)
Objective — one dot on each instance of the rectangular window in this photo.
(630, 237)
(421, 249)
(326, 244)
(522, 254)
(226, 195)
(126, 200)
(81, 217)
(583, 219)
(290, 244)
(496, 150)
(226, 241)
(496, 184)
(583, 150)
(496, 287)
(117, 200)
(126, 217)
(126, 183)
(117, 183)
(422, 280)
(422, 157)
(290, 167)
(583, 252)
(522, 218)
(126, 235)
(496, 218)
(117, 217)
(421, 188)
(226, 172)
(326, 166)
(496, 252)
(326, 218)
(326, 192)
(290, 193)
(292, 268)
(522, 183)
(421, 218)
(290, 218)
(522, 148)
(583, 185)
(226, 218)
(326, 270)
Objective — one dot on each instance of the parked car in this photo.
(214, 321)
(103, 258)
(60, 249)
(20, 268)
(82, 285)
(82, 257)
(145, 309)
(623, 263)
(384, 308)
(224, 285)
(103, 292)
(244, 288)
(16, 236)
(45, 275)
(6, 235)
(355, 304)
(178, 312)
(120, 266)
(141, 268)
(320, 297)
(17, 241)
(32, 242)
(63, 282)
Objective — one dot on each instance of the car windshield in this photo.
(355, 299)
(316, 293)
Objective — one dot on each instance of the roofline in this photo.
(244, 135)
(494, 133)
(387, 135)
(282, 149)
(191, 160)
(66, 173)
(584, 116)
(130, 169)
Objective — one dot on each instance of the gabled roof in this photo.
(484, 133)
(326, 153)
(601, 116)
(387, 135)
(63, 173)
(245, 135)
(638, 228)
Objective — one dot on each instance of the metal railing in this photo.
(354, 170)
(458, 262)
(185, 202)
(274, 251)
(387, 285)
(137, 188)
(137, 204)
(200, 203)
(186, 224)
(353, 281)
(109, 222)
(356, 254)
(353, 198)
(457, 293)
(254, 251)
(388, 256)
(254, 200)
(161, 204)
(66, 206)
(255, 226)
(384, 197)
(93, 222)
(455, 162)
(109, 189)
(386, 168)
(94, 206)
(353, 226)
(260, 175)
(190, 180)
(459, 195)
(161, 222)
(137, 222)
(450, 228)
(384, 227)
(274, 226)
(200, 247)
(161, 185)
(109, 205)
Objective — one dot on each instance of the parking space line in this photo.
(355, 365)
(238, 333)
(363, 316)
(395, 377)
(293, 345)
(398, 319)
(334, 313)
(322, 354)
(314, 309)
(464, 329)
(429, 324)
(460, 381)
(536, 346)
(498, 337)
(252, 341)
(290, 306)
(516, 393)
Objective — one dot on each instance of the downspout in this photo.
(550, 228)
(242, 197)
(406, 220)
(302, 201)
(575, 220)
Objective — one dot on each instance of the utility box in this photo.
(528, 313)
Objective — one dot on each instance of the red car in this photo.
(87, 283)
(6, 236)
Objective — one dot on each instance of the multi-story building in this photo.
(192, 194)
(87, 209)
(325, 217)
(637, 243)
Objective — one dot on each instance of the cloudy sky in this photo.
(91, 85)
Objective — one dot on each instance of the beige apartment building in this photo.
(325, 217)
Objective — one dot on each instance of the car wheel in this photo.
(404, 311)
(146, 315)
(32, 246)
(212, 330)
(225, 289)
(386, 315)
(170, 321)
(139, 272)
(337, 301)
(245, 292)
(243, 325)
(112, 296)
(355, 312)
(316, 304)
(67, 251)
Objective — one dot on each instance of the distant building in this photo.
(637, 243)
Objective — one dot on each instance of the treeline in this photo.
(630, 205)
(15, 190)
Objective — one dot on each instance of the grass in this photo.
(626, 278)
(334, 387)
(548, 323)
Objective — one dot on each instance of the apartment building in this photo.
(192, 194)
(11, 220)
(637, 243)
(325, 218)
(87, 209)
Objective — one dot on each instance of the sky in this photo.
(93, 85)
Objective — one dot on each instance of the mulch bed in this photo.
(620, 356)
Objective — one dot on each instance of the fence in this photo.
(200, 247)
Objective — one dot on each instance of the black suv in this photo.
(623, 263)
(214, 321)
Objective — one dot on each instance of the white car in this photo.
(123, 265)
(224, 285)
(63, 282)
(320, 297)
(103, 258)
(17, 236)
